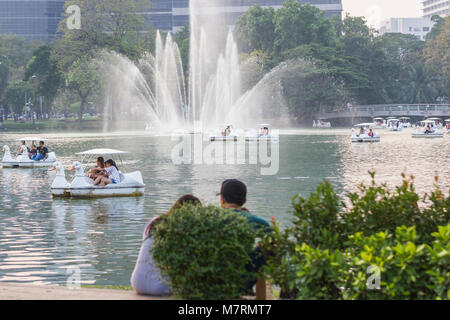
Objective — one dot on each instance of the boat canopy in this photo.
(95, 152)
(405, 118)
(30, 139)
(393, 119)
(264, 125)
(427, 121)
(447, 120)
(434, 119)
(378, 118)
(363, 125)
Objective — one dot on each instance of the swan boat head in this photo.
(60, 181)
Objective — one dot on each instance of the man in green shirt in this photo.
(233, 195)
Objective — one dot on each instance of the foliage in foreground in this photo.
(335, 250)
(204, 251)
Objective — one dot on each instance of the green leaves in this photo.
(204, 251)
(331, 247)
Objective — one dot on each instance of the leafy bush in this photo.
(204, 251)
(321, 274)
(330, 244)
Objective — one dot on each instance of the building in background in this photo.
(33, 19)
(38, 19)
(415, 26)
(174, 14)
(436, 7)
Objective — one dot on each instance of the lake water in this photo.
(42, 238)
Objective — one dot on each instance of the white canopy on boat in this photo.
(405, 118)
(364, 125)
(427, 121)
(393, 119)
(30, 139)
(264, 125)
(434, 119)
(95, 152)
(378, 118)
(448, 120)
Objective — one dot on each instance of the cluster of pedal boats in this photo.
(429, 128)
(81, 185)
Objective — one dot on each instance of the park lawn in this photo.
(92, 124)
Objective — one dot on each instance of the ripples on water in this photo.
(40, 238)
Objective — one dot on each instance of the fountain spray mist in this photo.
(155, 88)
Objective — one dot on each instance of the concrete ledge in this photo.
(32, 292)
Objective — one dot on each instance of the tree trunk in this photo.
(81, 111)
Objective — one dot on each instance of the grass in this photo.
(53, 125)
(87, 125)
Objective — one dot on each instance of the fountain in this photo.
(155, 88)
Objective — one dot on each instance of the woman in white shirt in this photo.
(146, 277)
(110, 175)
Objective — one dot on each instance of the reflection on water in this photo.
(40, 238)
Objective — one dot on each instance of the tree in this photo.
(4, 74)
(401, 52)
(45, 72)
(308, 87)
(438, 27)
(15, 95)
(437, 57)
(114, 25)
(83, 78)
(297, 24)
(255, 29)
(420, 86)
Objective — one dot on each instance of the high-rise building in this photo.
(415, 26)
(38, 19)
(33, 19)
(436, 7)
(174, 14)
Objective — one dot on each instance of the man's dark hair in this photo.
(234, 191)
(41, 142)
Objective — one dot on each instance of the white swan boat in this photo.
(227, 135)
(438, 123)
(321, 124)
(357, 136)
(23, 160)
(405, 122)
(394, 125)
(81, 186)
(265, 134)
(8, 161)
(379, 123)
(428, 129)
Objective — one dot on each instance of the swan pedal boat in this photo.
(379, 123)
(252, 135)
(394, 125)
(420, 131)
(320, 124)
(131, 184)
(230, 137)
(22, 160)
(356, 137)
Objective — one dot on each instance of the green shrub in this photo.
(326, 250)
(439, 255)
(321, 274)
(318, 220)
(204, 251)
(376, 208)
(403, 263)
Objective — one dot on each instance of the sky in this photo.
(376, 11)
